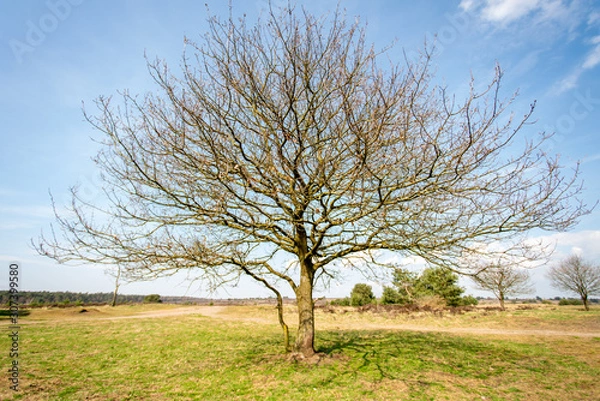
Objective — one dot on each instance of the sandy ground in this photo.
(218, 312)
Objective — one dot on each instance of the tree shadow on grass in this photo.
(6, 314)
(400, 355)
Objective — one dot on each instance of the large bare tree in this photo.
(503, 281)
(577, 275)
(287, 148)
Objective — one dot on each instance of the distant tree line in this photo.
(38, 298)
(41, 298)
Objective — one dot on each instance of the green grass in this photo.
(199, 358)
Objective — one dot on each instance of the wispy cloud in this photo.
(504, 12)
(592, 158)
(560, 17)
(571, 81)
(567, 83)
(593, 57)
(583, 242)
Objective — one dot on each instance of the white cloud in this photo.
(555, 16)
(594, 18)
(593, 57)
(591, 61)
(567, 83)
(505, 11)
(467, 5)
(584, 243)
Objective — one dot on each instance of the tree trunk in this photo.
(117, 285)
(585, 303)
(501, 299)
(306, 326)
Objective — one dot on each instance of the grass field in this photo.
(165, 352)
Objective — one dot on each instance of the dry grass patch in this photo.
(236, 355)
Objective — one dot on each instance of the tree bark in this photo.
(306, 325)
(585, 302)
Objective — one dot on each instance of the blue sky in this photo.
(56, 55)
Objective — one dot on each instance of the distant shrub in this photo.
(564, 302)
(340, 302)
(152, 299)
(362, 294)
(546, 302)
(468, 300)
(391, 296)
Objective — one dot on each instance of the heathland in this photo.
(174, 352)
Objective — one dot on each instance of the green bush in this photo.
(362, 294)
(340, 302)
(432, 283)
(390, 296)
(152, 299)
(441, 282)
(468, 300)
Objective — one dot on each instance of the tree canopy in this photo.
(295, 140)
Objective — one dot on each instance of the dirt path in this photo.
(208, 311)
(217, 312)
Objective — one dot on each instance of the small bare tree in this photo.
(503, 281)
(576, 275)
(116, 274)
(285, 150)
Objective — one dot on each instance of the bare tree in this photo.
(284, 149)
(574, 274)
(116, 274)
(117, 285)
(503, 281)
